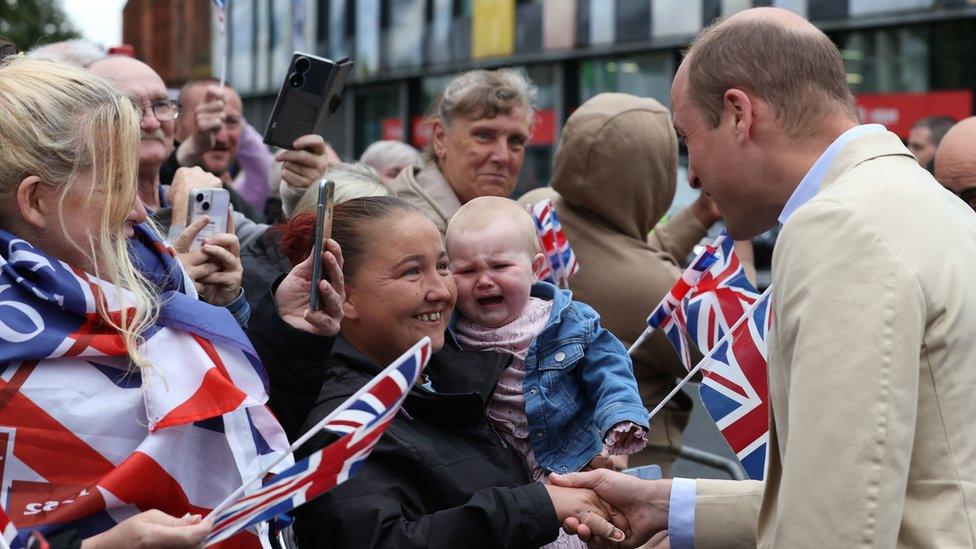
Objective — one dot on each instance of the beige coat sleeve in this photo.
(678, 236)
(844, 374)
(726, 513)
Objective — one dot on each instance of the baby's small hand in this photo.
(601, 461)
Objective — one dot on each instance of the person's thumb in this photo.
(185, 238)
(304, 269)
(599, 526)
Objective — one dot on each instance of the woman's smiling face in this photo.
(403, 289)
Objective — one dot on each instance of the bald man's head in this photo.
(142, 83)
(955, 160)
(779, 57)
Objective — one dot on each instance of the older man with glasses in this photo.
(158, 126)
(158, 122)
(955, 161)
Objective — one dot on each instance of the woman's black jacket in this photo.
(440, 477)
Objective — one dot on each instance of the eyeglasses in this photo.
(166, 109)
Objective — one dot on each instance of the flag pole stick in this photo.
(223, 44)
(745, 316)
(640, 340)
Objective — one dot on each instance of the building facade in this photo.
(172, 36)
(905, 58)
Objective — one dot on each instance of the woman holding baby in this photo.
(445, 474)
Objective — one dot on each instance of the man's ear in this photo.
(537, 263)
(35, 202)
(739, 108)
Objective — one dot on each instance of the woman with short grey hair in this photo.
(480, 126)
(389, 158)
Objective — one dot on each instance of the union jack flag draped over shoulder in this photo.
(709, 299)
(86, 438)
(561, 262)
(361, 420)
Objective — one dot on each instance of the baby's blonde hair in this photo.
(483, 211)
(61, 122)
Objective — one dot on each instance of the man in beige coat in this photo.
(873, 347)
(613, 179)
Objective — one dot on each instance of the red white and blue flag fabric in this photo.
(361, 420)
(707, 301)
(8, 532)
(561, 262)
(86, 438)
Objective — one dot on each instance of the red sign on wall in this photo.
(392, 128)
(421, 132)
(544, 129)
(898, 111)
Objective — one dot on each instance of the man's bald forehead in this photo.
(120, 68)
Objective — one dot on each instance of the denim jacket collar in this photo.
(560, 298)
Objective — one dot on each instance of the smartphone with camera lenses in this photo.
(311, 93)
(214, 203)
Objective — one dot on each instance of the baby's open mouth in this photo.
(491, 300)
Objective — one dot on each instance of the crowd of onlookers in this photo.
(97, 165)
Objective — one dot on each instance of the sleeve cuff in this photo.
(538, 508)
(681, 514)
(241, 310)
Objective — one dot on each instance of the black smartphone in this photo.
(323, 231)
(312, 91)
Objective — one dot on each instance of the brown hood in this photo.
(618, 158)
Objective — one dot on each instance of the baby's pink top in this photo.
(507, 407)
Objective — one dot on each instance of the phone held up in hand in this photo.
(311, 92)
(214, 203)
(323, 231)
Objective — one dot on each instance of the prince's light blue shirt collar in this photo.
(811, 181)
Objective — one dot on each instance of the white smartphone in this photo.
(214, 203)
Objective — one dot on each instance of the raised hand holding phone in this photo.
(311, 92)
(292, 295)
(213, 203)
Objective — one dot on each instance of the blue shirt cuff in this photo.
(241, 310)
(681, 514)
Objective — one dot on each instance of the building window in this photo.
(646, 75)
(887, 60)
(378, 117)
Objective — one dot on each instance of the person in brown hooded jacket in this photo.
(614, 178)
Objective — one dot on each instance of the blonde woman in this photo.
(128, 408)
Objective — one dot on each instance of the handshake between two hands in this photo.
(610, 509)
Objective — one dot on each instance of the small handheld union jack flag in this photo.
(712, 298)
(561, 262)
(362, 419)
